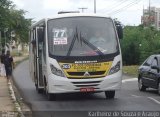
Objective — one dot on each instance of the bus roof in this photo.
(69, 15)
(77, 15)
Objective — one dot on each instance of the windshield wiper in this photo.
(82, 39)
(72, 43)
(98, 51)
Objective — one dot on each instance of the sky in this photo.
(129, 12)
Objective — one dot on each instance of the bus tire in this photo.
(39, 90)
(159, 88)
(109, 94)
(51, 97)
(45, 86)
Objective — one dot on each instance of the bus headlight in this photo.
(115, 68)
(56, 71)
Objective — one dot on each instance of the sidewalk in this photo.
(6, 103)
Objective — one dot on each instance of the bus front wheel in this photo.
(110, 94)
(39, 90)
(51, 97)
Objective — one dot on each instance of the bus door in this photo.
(39, 50)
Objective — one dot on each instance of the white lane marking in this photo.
(158, 102)
(128, 80)
(136, 96)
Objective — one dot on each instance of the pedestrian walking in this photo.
(9, 64)
(2, 56)
(2, 67)
(2, 70)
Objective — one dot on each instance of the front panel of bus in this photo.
(83, 52)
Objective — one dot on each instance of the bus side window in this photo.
(44, 46)
(33, 40)
(42, 41)
(119, 29)
(40, 33)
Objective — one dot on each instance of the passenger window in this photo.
(155, 63)
(148, 61)
(44, 49)
(33, 38)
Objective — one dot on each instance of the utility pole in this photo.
(94, 6)
(4, 39)
(5, 36)
(82, 8)
(149, 13)
(0, 40)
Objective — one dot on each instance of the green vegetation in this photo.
(19, 61)
(139, 43)
(12, 21)
(16, 53)
(131, 70)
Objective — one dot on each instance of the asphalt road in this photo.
(129, 98)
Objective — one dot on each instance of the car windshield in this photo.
(81, 36)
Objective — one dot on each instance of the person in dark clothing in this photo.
(8, 62)
(2, 56)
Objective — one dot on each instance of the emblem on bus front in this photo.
(66, 66)
(86, 73)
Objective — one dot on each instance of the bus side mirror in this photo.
(40, 33)
(119, 31)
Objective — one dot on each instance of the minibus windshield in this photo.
(81, 36)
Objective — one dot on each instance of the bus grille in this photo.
(86, 84)
(82, 73)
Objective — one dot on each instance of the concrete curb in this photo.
(129, 80)
(13, 97)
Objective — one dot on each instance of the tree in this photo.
(20, 25)
(13, 20)
(130, 45)
(139, 43)
(4, 13)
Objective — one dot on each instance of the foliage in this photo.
(13, 20)
(20, 25)
(131, 70)
(4, 13)
(139, 42)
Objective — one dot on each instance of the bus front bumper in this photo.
(57, 84)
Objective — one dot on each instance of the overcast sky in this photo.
(129, 12)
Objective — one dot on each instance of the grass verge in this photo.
(131, 70)
(21, 60)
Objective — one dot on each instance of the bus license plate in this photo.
(88, 89)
